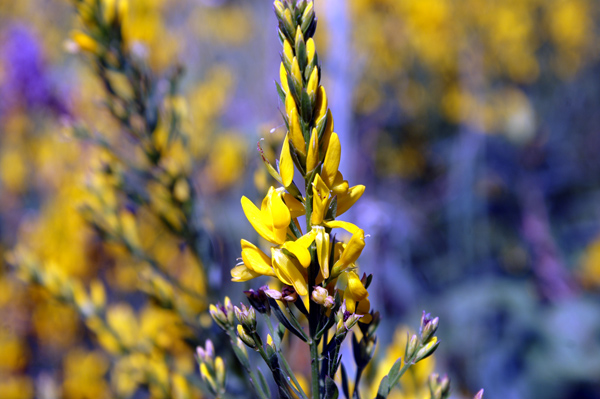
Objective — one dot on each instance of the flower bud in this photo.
(289, 294)
(220, 372)
(479, 395)
(430, 329)
(247, 339)
(208, 378)
(218, 316)
(427, 350)
(319, 294)
(411, 347)
(246, 316)
(273, 294)
(258, 300)
(228, 309)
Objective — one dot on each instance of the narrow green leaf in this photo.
(384, 388)
(345, 386)
(395, 371)
(280, 92)
(284, 320)
(263, 383)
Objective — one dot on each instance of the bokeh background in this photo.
(474, 125)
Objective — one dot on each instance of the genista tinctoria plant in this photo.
(140, 199)
(323, 297)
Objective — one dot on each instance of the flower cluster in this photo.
(318, 272)
(310, 152)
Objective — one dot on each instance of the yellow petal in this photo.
(313, 152)
(296, 207)
(290, 104)
(255, 259)
(280, 214)
(288, 53)
(355, 288)
(332, 160)
(313, 82)
(242, 273)
(346, 201)
(296, 71)
(322, 241)
(283, 79)
(320, 104)
(340, 224)
(307, 239)
(288, 272)
(320, 197)
(296, 132)
(299, 251)
(310, 48)
(256, 219)
(84, 42)
(286, 165)
(352, 251)
(340, 186)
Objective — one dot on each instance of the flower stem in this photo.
(314, 367)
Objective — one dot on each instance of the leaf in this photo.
(345, 386)
(241, 356)
(280, 330)
(263, 383)
(284, 320)
(306, 107)
(395, 372)
(331, 389)
(280, 92)
(384, 388)
(301, 307)
(301, 54)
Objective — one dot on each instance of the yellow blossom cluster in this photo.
(310, 153)
(462, 58)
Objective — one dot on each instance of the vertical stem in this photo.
(314, 367)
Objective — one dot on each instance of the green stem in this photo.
(314, 368)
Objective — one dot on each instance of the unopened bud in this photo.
(258, 300)
(220, 372)
(279, 10)
(273, 294)
(411, 347)
(246, 316)
(429, 329)
(427, 350)
(207, 377)
(247, 339)
(270, 341)
(321, 296)
(479, 395)
(218, 316)
(289, 294)
(228, 309)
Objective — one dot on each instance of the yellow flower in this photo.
(271, 221)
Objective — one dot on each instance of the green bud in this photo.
(218, 316)
(427, 350)
(429, 329)
(247, 339)
(246, 316)
(411, 347)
